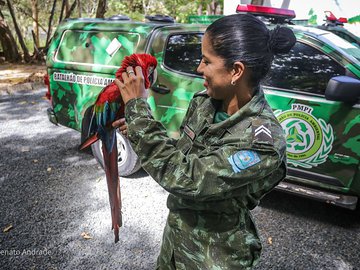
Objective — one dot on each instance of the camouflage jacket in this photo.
(215, 173)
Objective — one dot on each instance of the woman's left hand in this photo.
(121, 124)
(133, 84)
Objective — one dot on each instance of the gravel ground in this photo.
(51, 193)
(53, 196)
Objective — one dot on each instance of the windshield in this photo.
(346, 46)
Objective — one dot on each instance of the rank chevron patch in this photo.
(262, 133)
(263, 129)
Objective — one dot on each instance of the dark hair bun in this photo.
(281, 40)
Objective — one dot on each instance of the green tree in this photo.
(18, 31)
(7, 40)
(36, 26)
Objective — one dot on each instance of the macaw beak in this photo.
(152, 77)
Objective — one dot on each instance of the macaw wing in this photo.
(107, 108)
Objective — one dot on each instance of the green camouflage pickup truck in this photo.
(314, 91)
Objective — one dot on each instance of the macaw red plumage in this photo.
(108, 108)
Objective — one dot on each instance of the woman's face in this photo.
(217, 76)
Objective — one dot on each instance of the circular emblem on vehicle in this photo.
(308, 139)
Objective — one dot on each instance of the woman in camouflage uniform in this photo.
(230, 154)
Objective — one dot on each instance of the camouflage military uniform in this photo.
(214, 173)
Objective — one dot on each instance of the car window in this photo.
(183, 52)
(303, 69)
(350, 48)
(345, 36)
(93, 47)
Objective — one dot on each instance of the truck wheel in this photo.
(128, 161)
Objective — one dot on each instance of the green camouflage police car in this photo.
(314, 91)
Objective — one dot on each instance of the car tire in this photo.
(128, 161)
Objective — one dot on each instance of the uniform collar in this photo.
(254, 107)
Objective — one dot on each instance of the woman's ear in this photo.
(237, 71)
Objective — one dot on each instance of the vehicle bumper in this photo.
(52, 116)
(341, 200)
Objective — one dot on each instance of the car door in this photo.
(322, 136)
(178, 51)
(82, 65)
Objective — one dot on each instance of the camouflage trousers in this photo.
(189, 247)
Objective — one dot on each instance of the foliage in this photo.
(138, 9)
(135, 9)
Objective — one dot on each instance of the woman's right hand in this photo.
(121, 124)
(132, 85)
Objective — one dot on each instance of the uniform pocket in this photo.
(184, 144)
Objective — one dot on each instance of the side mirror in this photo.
(343, 88)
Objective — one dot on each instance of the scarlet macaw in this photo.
(108, 108)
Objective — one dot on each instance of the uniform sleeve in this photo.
(209, 176)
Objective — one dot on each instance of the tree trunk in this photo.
(218, 10)
(8, 43)
(199, 10)
(131, 5)
(257, 2)
(211, 7)
(146, 6)
(67, 7)
(35, 15)
(63, 4)
(101, 9)
(27, 57)
(73, 6)
(79, 8)
(50, 23)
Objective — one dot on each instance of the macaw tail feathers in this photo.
(113, 183)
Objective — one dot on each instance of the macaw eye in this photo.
(151, 69)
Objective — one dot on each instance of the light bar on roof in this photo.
(331, 17)
(266, 11)
(342, 20)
